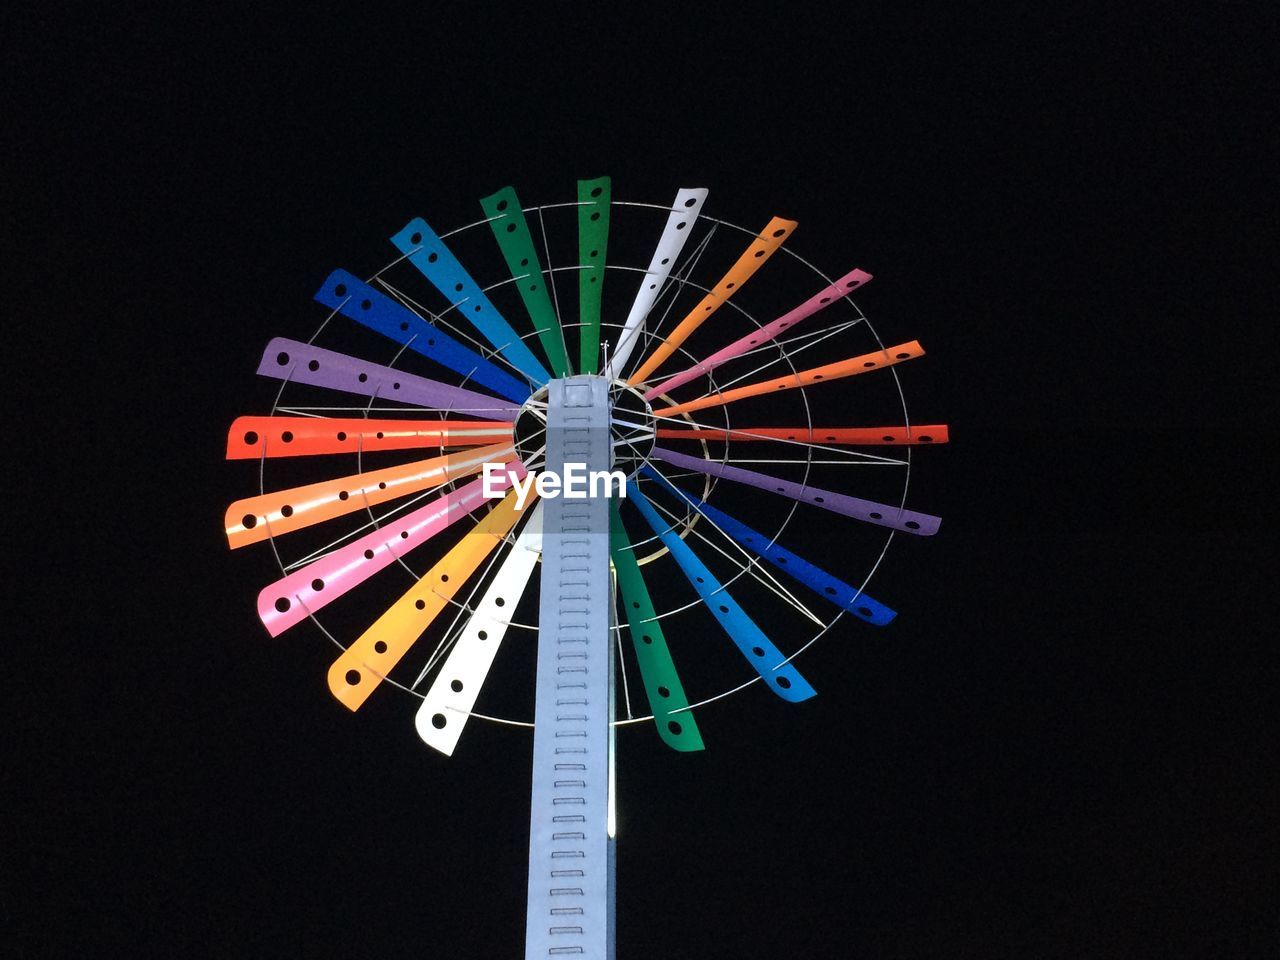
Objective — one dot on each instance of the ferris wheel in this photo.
(641, 454)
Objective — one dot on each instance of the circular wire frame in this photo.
(676, 284)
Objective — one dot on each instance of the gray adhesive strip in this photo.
(571, 890)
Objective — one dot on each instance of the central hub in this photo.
(632, 428)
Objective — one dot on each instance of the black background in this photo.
(1060, 749)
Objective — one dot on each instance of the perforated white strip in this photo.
(447, 705)
(571, 893)
(684, 213)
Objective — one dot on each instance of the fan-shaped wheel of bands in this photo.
(413, 429)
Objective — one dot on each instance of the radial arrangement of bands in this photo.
(674, 381)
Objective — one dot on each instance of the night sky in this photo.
(1059, 749)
